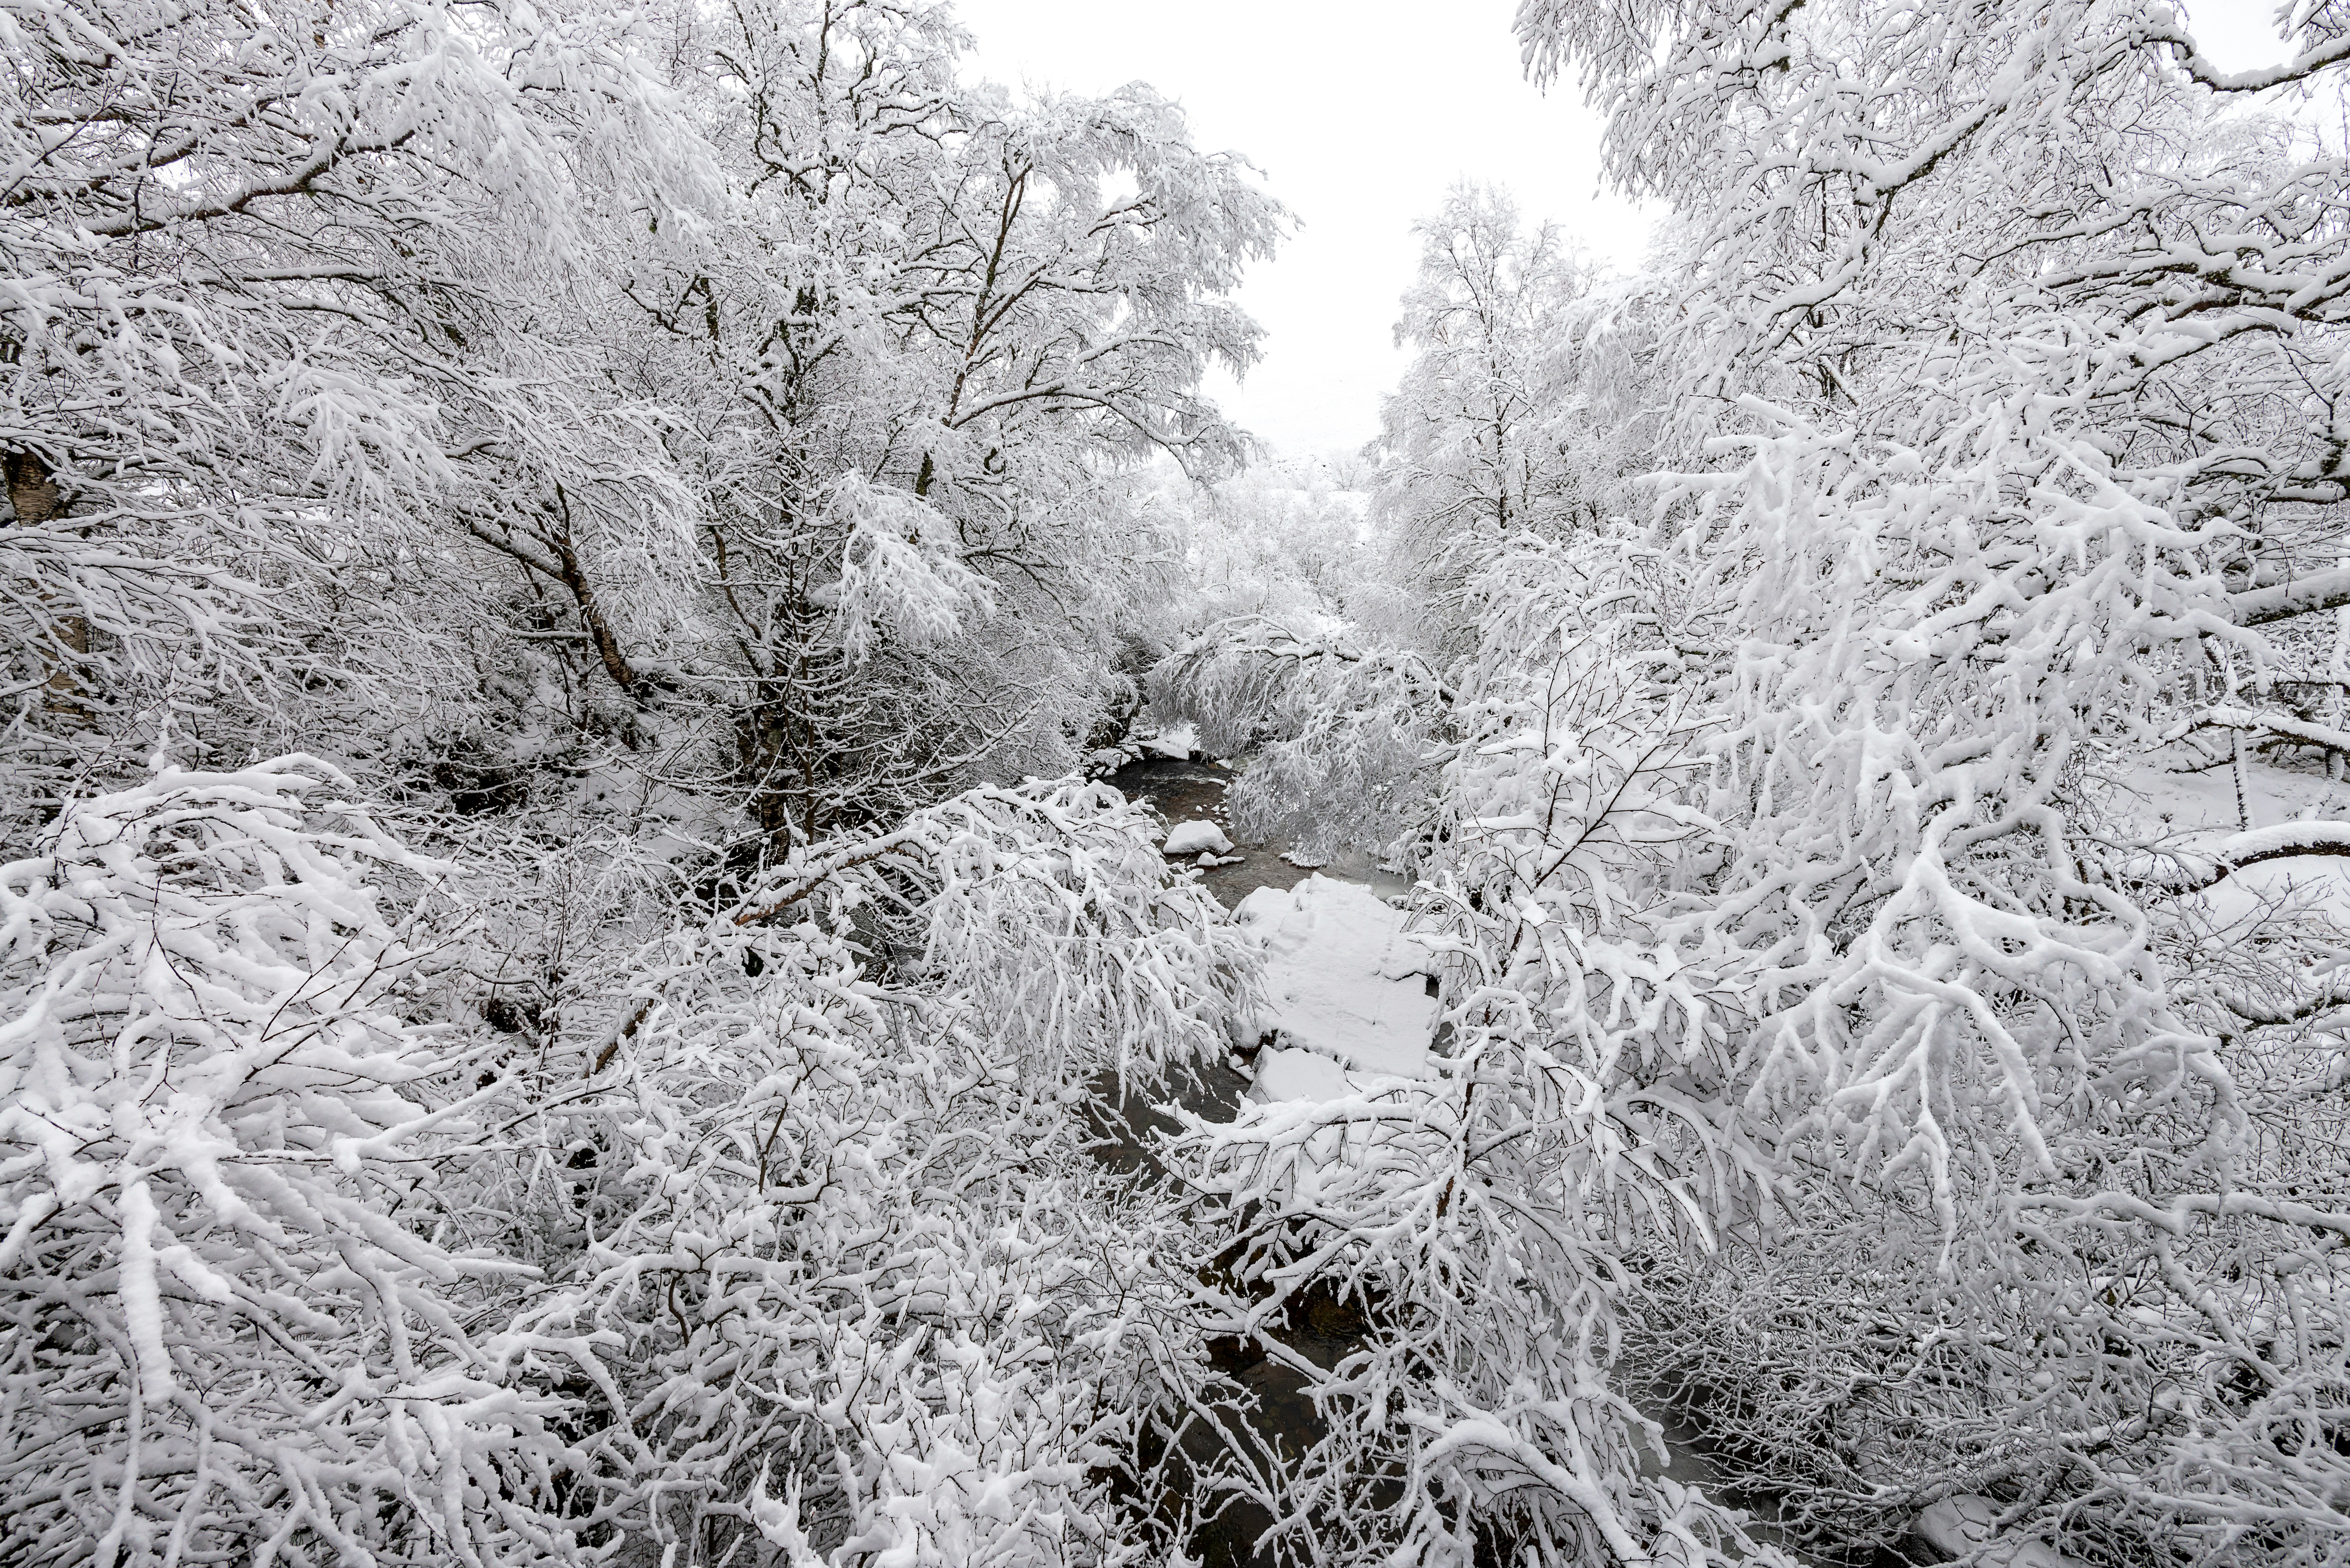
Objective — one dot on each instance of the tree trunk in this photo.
(33, 491)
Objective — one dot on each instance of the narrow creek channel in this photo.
(1284, 1416)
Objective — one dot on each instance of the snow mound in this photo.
(2301, 886)
(1284, 1075)
(1178, 743)
(1190, 837)
(1959, 1525)
(1343, 979)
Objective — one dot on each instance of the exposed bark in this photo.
(31, 488)
(2303, 596)
(34, 493)
(561, 562)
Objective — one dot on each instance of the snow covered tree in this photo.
(1963, 1124)
(1468, 454)
(1486, 1224)
(257, 273)
(825, 1177)
(898, 370)
(1535, 398)
(2022, 351)
(679, 459)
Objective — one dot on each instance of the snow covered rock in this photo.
(1191, 838)
(1178, 743)
(1284, 1075)
(1343, 980)
(1959, 1525)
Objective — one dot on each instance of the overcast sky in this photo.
(1361, 113)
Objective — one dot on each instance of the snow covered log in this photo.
(2205, 865)
(2282, 727)
(2310, 595)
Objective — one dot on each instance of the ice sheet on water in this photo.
(1343, 979)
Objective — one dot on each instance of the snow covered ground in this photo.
(2200, 811)
(1347, 988)
(2160, 793)
(1961, 1525)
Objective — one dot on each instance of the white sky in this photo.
(1361, 113)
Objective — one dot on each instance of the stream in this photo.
(1284, 1416)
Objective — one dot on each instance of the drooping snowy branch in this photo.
(235, 1317)
(1483, 1222)
(2018, 466)
(835, 1199)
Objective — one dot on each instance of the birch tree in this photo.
(1468, 457)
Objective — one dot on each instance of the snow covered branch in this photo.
(234, 1313)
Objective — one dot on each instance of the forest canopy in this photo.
(586, 598)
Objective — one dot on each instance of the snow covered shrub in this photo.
(237, 1317)
(827, 1177)
(244, 350)
(2070, 1183)
(1485, 1223)
(668, 449)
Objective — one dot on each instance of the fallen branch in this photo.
(2298, 731)
(2216, 862)
(2311, 594)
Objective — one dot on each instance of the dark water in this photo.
(1280, 1419)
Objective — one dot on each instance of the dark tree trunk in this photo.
(34, 493)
